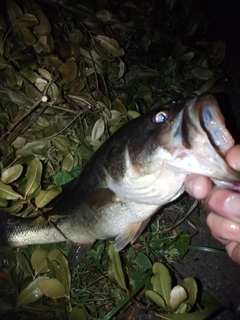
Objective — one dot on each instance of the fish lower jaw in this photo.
(190, 164)
(209, 164)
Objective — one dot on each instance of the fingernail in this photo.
(232, 205)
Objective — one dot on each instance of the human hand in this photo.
(224, 206)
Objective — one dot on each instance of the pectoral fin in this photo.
(102, 198)
(77, 252)
(130, 234)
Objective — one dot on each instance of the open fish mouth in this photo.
(203, 140)
(203, 124)
(214, 124)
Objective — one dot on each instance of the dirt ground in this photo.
(218, 274)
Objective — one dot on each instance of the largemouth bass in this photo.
(140, 168)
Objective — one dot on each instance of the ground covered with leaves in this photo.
(71, 74)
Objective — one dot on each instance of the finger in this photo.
(233, 249)
(223, 229)
(233, 157)
(225, 202)
(198, 186)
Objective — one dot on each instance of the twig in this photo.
(192, 208)
(36, 104)
(34, 119)
(67, 126)
(65, 109)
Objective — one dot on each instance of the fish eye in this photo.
(161, 116)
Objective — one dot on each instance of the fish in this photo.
(140, 168)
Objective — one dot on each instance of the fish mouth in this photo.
(203, 124)
(214, 124)
(200, 141)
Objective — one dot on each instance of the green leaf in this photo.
(27, 20)
(38, 148)
(93, 23)
(111, 45)
(23, 263)
(75, 172)
(156, 298)
(116, 267)
(15, 208)
(45, 196)
(192, 28)
(45, 73)
(6, 192)
(58, 264)
(52, 288)
(217, 51)
(52, 90)
(19, 98)
(67, 163)
(43, 122)
(3, 63)
(143, 262)
(11, 77)
(11, 174)
(39, 260)
(29, 74)
(197, 315)
(104, 15)
(3, 203)
(28, 36)
(120, 107)
(161, 281)
(41, 84)
(76, 36)
(133, 114)
(190, 285)
(98, 129)
(61, 142)
(97, 253)
(31, 293)
(13, 11)
(181, 243)
(202, 73)
(62, 178)
(183, 308)
(206, 87)
(4, 147)
(77, 314)
(44, 27)
(34, 172)
(69, 69)
(187, 56)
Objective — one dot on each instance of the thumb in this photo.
(233, 157)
